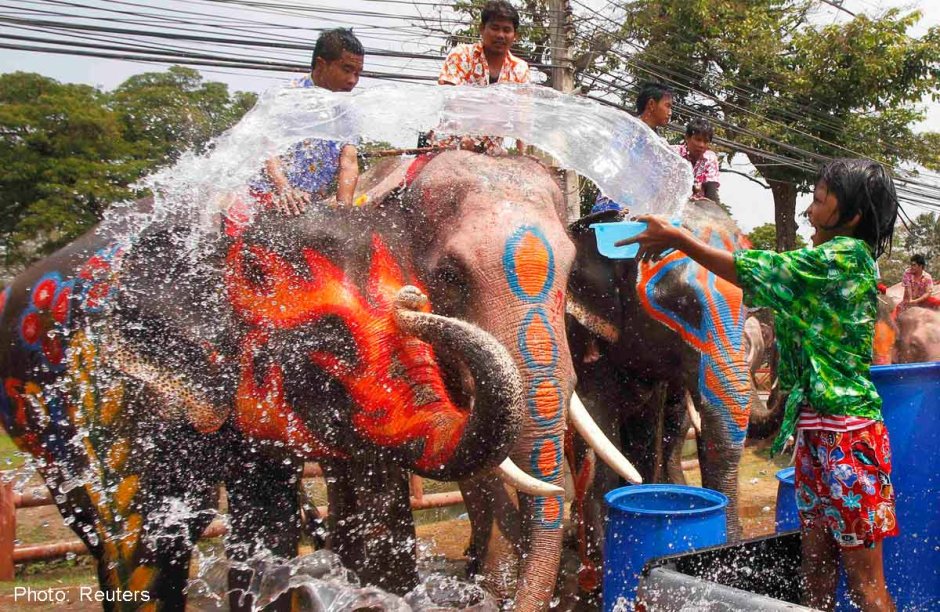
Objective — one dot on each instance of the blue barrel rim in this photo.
(885, 372)
(719, 500)
(786, 475)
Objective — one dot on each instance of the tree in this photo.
(64, 159)
(924, 236)
(69, 151)
(167, 113)
(765, 237)
(847, 90)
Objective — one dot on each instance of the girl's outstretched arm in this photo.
(661, 235)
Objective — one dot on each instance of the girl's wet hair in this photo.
(863, 187)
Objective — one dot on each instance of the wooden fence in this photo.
(11, 501)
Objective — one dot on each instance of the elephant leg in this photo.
(264, 511)
(719, 457)
(177, 500)
(495, 538)
(371, 524)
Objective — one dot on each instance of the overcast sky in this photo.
(750, 204)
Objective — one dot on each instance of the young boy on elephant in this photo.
(824, 299)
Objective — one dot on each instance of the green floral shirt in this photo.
(825, 305)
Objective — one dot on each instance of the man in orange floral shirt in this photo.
(488, 61)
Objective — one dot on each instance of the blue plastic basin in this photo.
(649, 521)
(786, 518)
(607, 234)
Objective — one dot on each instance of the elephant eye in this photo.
(450, 287)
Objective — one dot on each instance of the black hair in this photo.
(918, 259)
(331, 44)
(652, 90)
(702, 127)
(499, 9)
(863, 187)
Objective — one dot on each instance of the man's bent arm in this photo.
(348, 175)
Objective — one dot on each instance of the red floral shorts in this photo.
(843, 480)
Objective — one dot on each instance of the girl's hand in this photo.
(659, 236)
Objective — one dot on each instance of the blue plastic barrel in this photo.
(911, 396)
(649, 521)
(786, 518)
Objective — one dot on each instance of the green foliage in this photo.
(764, 237)
(167, 113)
(69, 151)
(849, 90)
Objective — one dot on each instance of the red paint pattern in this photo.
(42, 294)
(22, 430)
(390, 412)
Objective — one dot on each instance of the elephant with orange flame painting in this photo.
(423, 333)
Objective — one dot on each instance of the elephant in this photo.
(918, 338)
(422, 333)
(646, 339)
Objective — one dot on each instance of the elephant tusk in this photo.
(592, 322)
(596, 439)
(515, 477)
(693, 413)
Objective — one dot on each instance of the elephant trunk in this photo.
(496, 418)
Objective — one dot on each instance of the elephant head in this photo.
(335, 307)
(492, 248)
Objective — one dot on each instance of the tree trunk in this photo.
(784, 213)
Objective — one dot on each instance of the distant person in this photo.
(705, 172)
(654, 108)
(918, 284)
(825, 306)
(486, 62)
(315, 169)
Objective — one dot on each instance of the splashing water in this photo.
(627, 160)
(320, 582)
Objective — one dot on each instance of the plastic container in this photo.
(649, 521)
(911, 396)
(607, 234)
(786, 518)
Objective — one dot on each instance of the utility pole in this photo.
(563, 81)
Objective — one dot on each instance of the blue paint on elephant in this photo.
(530, 356)
(510, 264)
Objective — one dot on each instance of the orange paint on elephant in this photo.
(531, 264)
(551, 509)
(547, 400)
(540, 343)
(394, 379)
(549, 456)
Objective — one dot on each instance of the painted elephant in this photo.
(644, 338)
(143, 374)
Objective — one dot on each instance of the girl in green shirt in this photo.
(825, 302)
